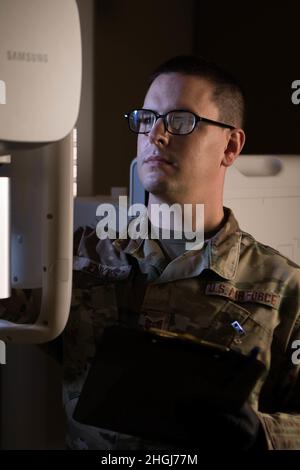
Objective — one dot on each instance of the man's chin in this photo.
(155, 179)
(157, 191)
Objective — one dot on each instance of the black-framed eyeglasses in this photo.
(178, 122)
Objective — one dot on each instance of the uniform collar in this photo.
(224, 247)
(219, 254)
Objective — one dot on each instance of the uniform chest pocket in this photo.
(235, 327)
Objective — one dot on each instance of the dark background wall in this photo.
(131, 38)
(259, 44)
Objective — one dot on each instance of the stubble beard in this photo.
(166, 189)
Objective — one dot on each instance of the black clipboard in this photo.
(139, 379)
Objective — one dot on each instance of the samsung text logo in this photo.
(25, 56)
(2, 92)
(296, 94)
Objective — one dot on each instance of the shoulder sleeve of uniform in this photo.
(281, 393)
(282, 423)
(266, 250)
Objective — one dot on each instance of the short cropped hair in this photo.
(227, 95)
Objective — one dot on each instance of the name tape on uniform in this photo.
(242, 295)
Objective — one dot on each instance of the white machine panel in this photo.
(40, 69)
(264, 193)
(4, 239)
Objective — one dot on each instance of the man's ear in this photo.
(235, 144)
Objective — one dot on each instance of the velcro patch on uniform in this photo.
(242, 295)
(102, 271)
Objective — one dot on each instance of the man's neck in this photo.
(213, 214)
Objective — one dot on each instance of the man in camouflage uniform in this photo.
(232, 280)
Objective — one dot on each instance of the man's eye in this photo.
(177, 121)
(146, 120)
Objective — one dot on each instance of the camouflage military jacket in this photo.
(232, 278)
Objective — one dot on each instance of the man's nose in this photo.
(159, 134)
